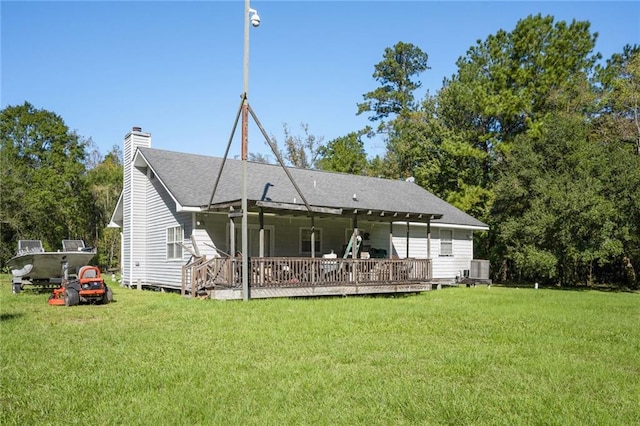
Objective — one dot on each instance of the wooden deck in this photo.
(221, 278)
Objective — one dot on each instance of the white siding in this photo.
(161, 212)
(418, 246)
(444, 267)
(448, 267)
(204, 242)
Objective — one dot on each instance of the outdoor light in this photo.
(255, 19)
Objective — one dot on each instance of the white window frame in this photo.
(175, 235)
(446, 242)
(318, 240)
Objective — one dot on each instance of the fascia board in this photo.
(457, 226)
(181, 208)
(117, 217)
(446, 225)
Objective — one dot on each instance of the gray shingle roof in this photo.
(190, 179)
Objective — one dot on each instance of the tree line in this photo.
(55, 185)
(535, 134)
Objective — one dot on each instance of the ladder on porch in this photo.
(349, 246)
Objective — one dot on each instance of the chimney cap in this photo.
(136, 129)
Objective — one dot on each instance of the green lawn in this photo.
(455, 356)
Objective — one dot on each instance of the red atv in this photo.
(89, 287)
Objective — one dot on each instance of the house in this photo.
(170, 217)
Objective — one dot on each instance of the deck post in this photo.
(184, 282)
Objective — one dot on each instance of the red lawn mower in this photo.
(88, 287)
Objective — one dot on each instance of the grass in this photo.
(456, 356)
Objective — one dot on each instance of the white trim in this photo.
(179, 241)
(118, 213)
(453, 226)
(181, 208)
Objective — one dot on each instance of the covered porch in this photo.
(255, 273)
(221, 277)
(366, 263)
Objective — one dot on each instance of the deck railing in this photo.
(283, 272)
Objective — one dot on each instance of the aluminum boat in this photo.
(33, 265)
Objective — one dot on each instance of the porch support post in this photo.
(429, 238)
(407, 252)
(313, 237)
(313, 248)
(232, 250)
(261, 221)
(232, 237)
(354, 250)
(429, 247)
(354, 237)
(390, 240)
(261, 249)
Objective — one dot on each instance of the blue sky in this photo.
(174, 68)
